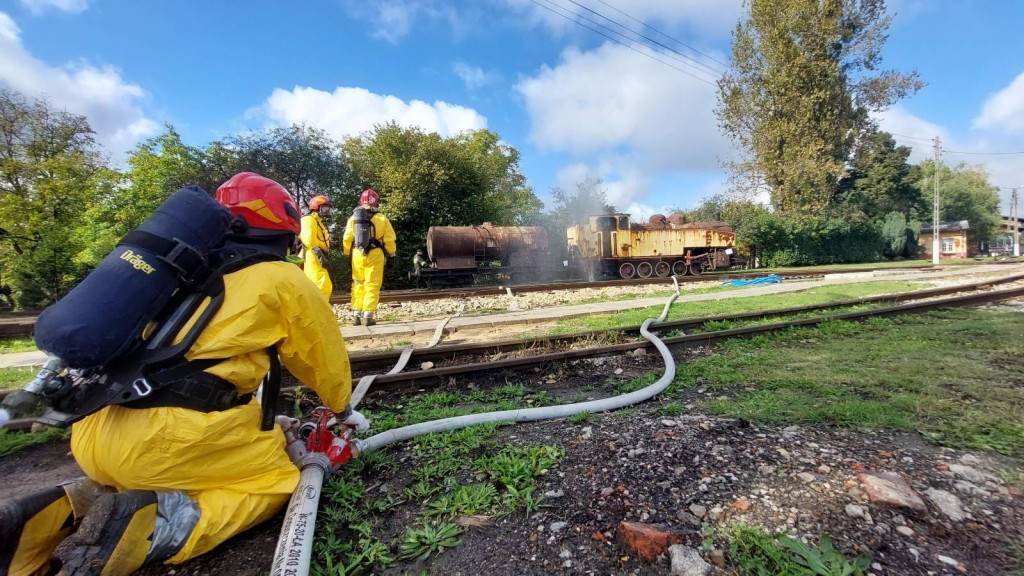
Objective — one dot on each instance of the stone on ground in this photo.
(892, 490)
(687, 562)
(647, 541)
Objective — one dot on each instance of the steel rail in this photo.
(433, 375)
(366, 362)
(502, 290)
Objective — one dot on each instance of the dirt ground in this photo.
(683, 471)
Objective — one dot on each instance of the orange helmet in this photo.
(317, 201)
(369, 198)
(263, 203)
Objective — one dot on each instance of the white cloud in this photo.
(71, 6)
(1004, 109)
(392, 20)
(629, 117)
(352, 111)
(111, 104)
(473, 76)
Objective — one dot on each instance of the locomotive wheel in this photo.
(696, 269)
(644, 269)
(662, 269)
(627, 270)
(679, 268)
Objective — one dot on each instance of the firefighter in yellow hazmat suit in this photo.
(316, 244)
(369, 239)
(188, 479)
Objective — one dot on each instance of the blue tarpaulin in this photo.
(773, 279)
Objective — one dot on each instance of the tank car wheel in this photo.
(696, 269)
(627, 270)
(662, 269)
(644, 270)
(679, 268)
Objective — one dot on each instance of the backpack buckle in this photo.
(142, 387)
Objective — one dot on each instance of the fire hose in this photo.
(320, 452)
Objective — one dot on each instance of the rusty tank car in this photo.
(611, 244)
(461, 253)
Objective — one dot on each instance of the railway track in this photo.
(917, 302)
(421, 295)
(20, 325)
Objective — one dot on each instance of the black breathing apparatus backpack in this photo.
(112, 339)
(363, 232)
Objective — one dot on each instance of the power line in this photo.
(912, 137)
(982, 153)
(690, 60)
(641, 22)
(574, 21)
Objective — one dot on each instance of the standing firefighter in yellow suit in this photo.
(166, 482)
(316, 244)
(369, 238)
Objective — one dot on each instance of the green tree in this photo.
(964, 194)
(894, 233)
(303, 159)
(48, 170)
(880, 180)
(426, 180)
(797, 98)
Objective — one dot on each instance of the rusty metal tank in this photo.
(455, 247)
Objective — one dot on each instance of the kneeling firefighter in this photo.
(179, 455)
(369, 238)
(316, 243)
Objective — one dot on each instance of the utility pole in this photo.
(936, 245)
(1016, 223)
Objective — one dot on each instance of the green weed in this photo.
(756, 553)
(580, 418)
(11, 345)
(671, 409)
(15, 378)
(420, 543)
(11, 442)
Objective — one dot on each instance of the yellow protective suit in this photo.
(314, 235)
(368, 267)
(238, 474)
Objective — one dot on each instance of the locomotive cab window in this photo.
(606, 223)
(623, 222)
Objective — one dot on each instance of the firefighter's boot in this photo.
(368, 319)
(33, 525)
(357, 317)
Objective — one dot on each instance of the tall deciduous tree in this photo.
(797, 98)
(48, 167)
(880, 180)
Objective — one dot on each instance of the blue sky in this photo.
(575, 104)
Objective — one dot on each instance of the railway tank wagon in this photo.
(613, 245)
(460, 253)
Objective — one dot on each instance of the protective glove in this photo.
(321, 256)
(354, 419)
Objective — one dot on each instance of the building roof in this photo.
(947, 226)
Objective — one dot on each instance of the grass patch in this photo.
(953, 374)
(12, 442)
(15, 378)
(756, 553)
(12, 345)
(682, 310)
(446, 482)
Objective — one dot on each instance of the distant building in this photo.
(1002, 243)
(952, 239)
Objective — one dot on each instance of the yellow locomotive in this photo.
(611, 244)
